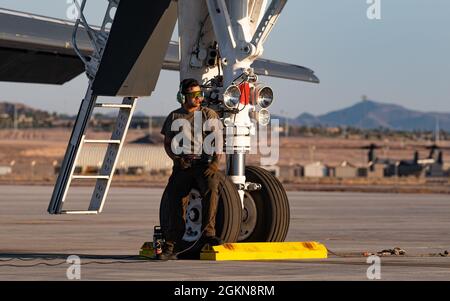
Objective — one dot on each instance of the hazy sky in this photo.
(404, 58)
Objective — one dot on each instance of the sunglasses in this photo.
(197, 94)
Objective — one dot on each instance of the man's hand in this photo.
(212, 169)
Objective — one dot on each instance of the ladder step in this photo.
(102, 141)
(113, 106)
(91, 177)
(79, 212)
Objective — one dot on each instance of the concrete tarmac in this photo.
(34, 245)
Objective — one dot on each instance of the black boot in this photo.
(168, 252)
(212, 241)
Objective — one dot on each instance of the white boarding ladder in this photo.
(78, 138)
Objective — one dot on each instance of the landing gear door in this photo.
(136, 48)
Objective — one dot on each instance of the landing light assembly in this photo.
(263, 117)
(262, 99)
(232, 97)
(263, 96)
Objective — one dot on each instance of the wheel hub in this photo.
(194, 215)
(249, 217)
(193, 224)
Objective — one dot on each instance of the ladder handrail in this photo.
(75, 44)
(91, 33)
(97, 39)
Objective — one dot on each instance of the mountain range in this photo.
(368, 114)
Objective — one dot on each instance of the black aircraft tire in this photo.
(272, 206)
(228, 217)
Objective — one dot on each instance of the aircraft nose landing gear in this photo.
(264, 218)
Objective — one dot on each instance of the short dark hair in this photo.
(188, 83)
